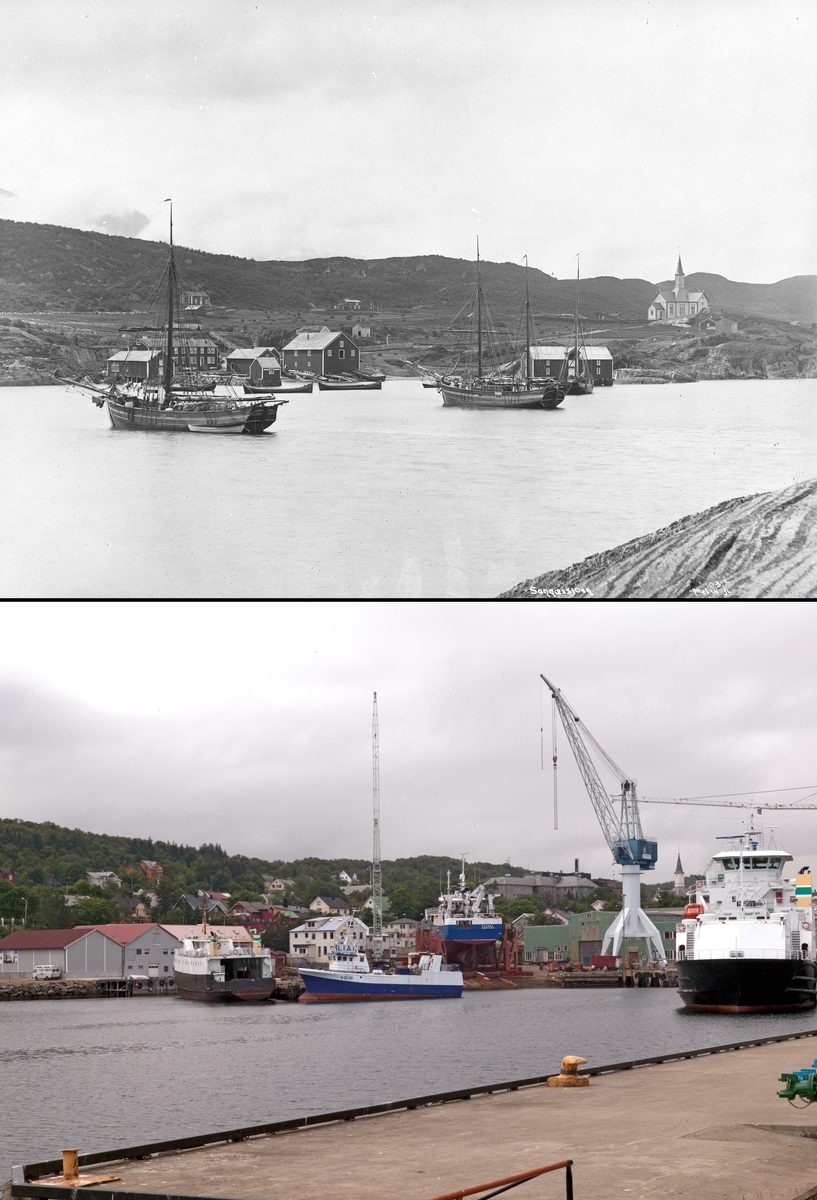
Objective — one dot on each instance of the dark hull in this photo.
(255, 418)
(738, 985)
(484, 397)
(203, 987)
(578, 387)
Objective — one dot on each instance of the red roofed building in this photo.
(90, 952)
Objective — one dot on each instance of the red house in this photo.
(9, 874)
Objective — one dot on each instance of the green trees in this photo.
(94, 910)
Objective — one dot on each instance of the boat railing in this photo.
(512, 1181)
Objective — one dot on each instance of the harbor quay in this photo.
(708, 1127)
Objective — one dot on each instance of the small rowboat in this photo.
(342, 383)
(253, 389)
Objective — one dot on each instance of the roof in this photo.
(333, 901)
(123, 934)
(134, 356)
(679, 870)
(326, 923)
(314, 341)
(149, 862)
(44, 939)
(558, 352)
(254, 352)
(237, 932)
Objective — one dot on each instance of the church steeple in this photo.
(679, 274)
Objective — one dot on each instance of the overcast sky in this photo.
(251, 725)
(627, 130)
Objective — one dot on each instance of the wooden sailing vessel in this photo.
(575, 373)
(484, 384)
(184, 399)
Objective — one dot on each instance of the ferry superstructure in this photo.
(211, 968)
(746, 941)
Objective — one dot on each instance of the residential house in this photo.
(549, 360)
(250, 912)
(151, 870)
(348, 304)
(322, 352)
(361, 331)
(135, 905)
(195, 299)
(258, 364)
(195, 903)
(8, 874)
(385, 906)
(330, 905)
(399, 937)
(272, 883)
(345, 877)
(677, 304)
(103, 879)
(192, 349)
(312, 941)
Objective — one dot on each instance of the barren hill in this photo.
(49, 267)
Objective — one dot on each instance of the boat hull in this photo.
(579, 387)
(476, 934)
(254, 418)
(210, 991)
(349, 385)
(739, 985)
(333, 987)
(483, 397)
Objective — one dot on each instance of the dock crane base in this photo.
(632, 921)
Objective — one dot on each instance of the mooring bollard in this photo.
(570, 1076)
(70, 1163)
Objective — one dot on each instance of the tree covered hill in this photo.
(49, 267)
(39, 849)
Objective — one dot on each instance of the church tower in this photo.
(679, 888)
(679, 275)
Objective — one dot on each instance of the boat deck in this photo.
(711, 1128)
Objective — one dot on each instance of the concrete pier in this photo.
(709, 1128)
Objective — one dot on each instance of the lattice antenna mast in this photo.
(377, 876)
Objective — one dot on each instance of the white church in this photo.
(677, 304)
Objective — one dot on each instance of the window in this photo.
(341, 353)
(328, 353)
(352, 353)
(341, 343)
(138, 951)
(166, 968)
(165, 952)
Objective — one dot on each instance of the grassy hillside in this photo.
(45, 267)
(36, 850)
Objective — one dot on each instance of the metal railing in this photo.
(512, 1181)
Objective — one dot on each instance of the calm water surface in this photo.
(101, 1075)
(376, 494)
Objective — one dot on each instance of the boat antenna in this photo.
(171, 287)
(479, 315)
(377, 876)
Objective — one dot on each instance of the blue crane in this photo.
(631, 851)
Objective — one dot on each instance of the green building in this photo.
(584, 934)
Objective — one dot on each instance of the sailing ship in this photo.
(483, 382)
(575, 374)
(212, 968)
(745, 943)
(185, 399)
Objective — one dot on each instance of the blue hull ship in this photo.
(463, 928)
(350, 978)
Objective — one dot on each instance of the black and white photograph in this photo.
(507, 300)
(420, 901)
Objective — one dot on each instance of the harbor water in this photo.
(376, 494)
(104, 1074)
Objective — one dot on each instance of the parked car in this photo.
(46, 971)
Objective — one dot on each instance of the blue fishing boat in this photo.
(349, 977)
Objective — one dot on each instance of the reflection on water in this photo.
(100, 1074)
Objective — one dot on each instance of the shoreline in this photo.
(762, 546)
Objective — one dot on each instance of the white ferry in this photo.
(746, 942)
(212, 968)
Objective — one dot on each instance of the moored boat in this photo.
(575, 375)
(253, 389)
(212, 968)
(463, 928)
(347, 383)
(746, 942)
(349, 978)
(477, 380)
(185, 398)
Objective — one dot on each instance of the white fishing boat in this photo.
(349, 977)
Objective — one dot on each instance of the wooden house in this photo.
(321, 352)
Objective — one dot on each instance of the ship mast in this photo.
(171, 287)
(377, 877)
(527, 326)
(479, 317)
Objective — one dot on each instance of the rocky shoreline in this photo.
(51, 989)
(752, 547)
